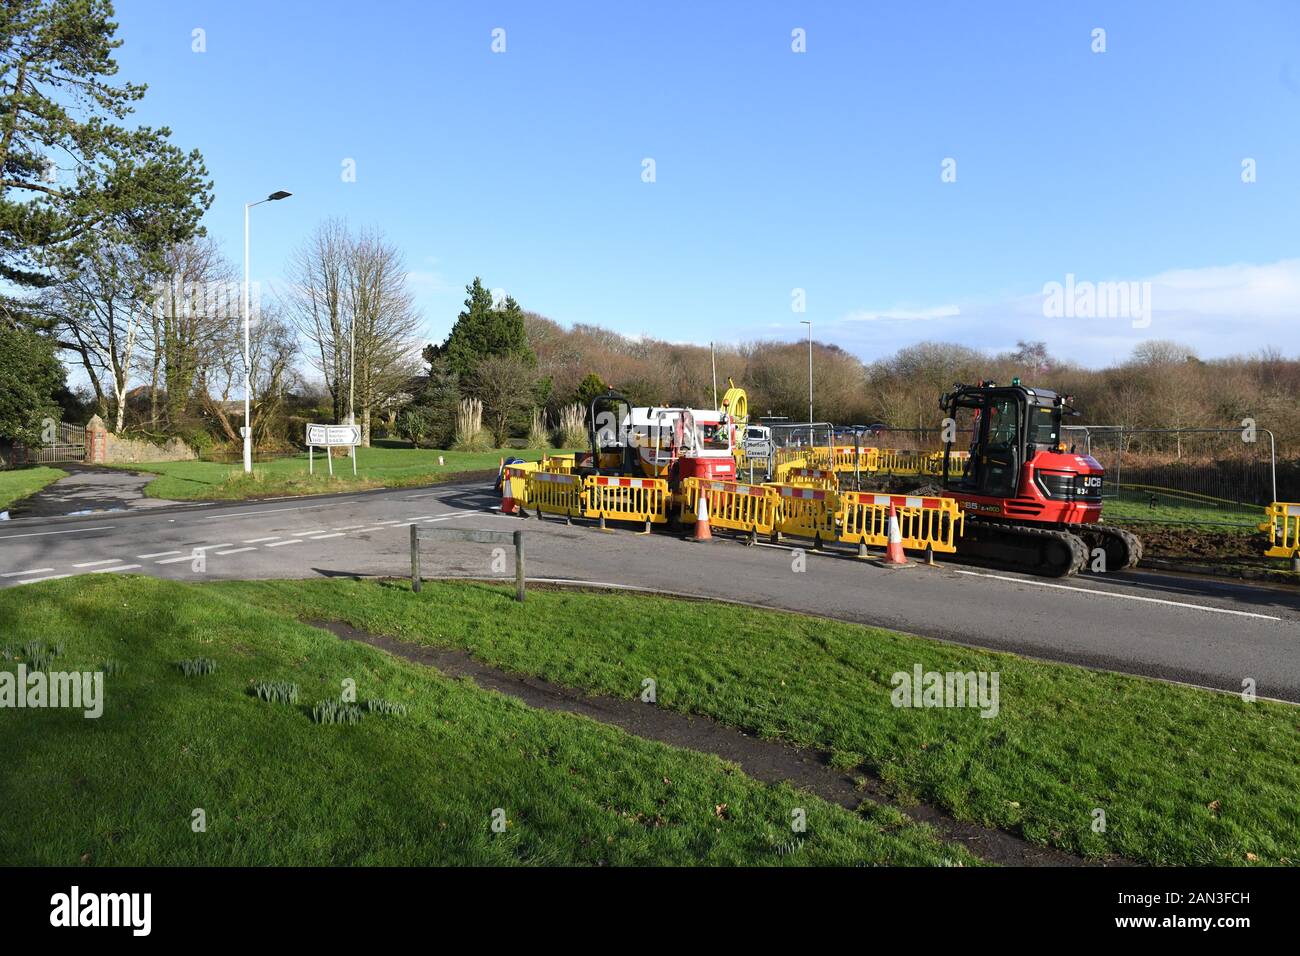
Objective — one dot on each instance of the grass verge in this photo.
(376, 468)
(417, 785)
(1183, 776)
(18, 483)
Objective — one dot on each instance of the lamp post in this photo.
(808, 322)
(248, 424)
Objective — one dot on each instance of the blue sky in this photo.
(774, 170)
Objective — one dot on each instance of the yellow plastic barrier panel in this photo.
(1283, 526)
(556, 493)
(923, 521)
(741, 507)
(626, 499)
(812, 478)
(806, 512)
(516, 477)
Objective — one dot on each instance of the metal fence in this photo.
(1212, 476)
(65, 443)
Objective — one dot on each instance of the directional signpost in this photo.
(332, 436)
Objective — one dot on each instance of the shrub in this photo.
(336, 712)
(197, 667)
(573, 427)
(275, 691)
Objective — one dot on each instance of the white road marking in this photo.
(303, 534)
(183, 557)
(19, 574)
(236, 550)
(421, 518)
(1124, 597)
(379, 527)
(209, 547)
(92, 564)
(222, 516)
(394, 521)
(120, 567)
(38, 534)
(322, 537)
(276, 544)
(156, 554)
(351, 527)
(274, 537)
(52, 577)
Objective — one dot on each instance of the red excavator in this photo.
(1029, 503)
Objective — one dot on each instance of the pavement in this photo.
(1207, 632)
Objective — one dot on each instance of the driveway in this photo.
(89, 490)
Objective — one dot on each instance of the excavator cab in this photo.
(1008, 426)
(609, 419)
(1029, 502)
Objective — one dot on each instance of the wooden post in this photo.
(519, 565)
(415, 558)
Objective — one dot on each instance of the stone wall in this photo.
(105, 448)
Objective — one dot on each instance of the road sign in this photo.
(326, 436)
(332, 436)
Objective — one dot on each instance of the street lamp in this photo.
(248, 425)
(808, 322)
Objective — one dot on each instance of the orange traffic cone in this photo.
(894, 552)
(507, 499)
(702, 530)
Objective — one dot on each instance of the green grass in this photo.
(1184, 776)
(376, 468)
(1172, 507)
(412, 788)
(21, 482)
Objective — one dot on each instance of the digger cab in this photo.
(998, 430)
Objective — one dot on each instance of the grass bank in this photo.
(18, 483)
(1182, 776)
(415, 788)
(377, 467)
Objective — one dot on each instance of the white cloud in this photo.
(1217, 310)
(904, 314)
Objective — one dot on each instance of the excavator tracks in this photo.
(1012, 547)
(1054, 552)
(1122, 549)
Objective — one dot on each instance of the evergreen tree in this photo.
(481, 330)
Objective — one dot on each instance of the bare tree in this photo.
(383, 347)
(101, 308)
(273, 349)
(318, 306)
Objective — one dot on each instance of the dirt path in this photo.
(769, 761)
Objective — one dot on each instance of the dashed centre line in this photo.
(156, 554)
(276, 544)
(120, 567)
(274, 537)
(237, 550)
(19, 574)
(322, 537)
(95, 564)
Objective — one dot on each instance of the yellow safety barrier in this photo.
(811, 478)
(863, 518)
(556, 493)
(1283, 527)
(806, 512)
(626, 499)
(734, 505)
(514, 481)
(561, 464)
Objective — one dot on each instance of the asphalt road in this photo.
(1200, 631)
